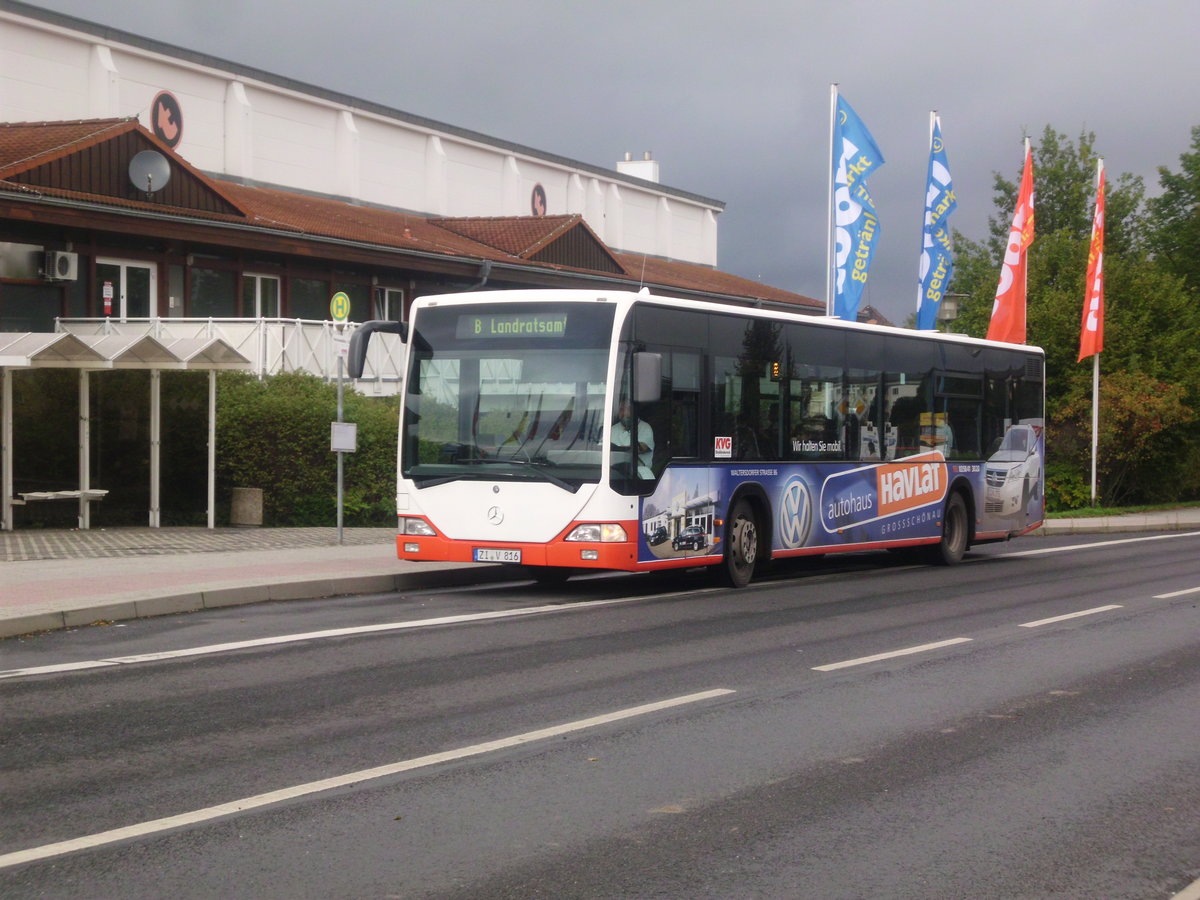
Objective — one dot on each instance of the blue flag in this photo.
(937, 262)
(856, 227)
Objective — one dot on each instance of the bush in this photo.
(1066, 488)
(273, 434)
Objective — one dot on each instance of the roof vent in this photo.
(645, 168)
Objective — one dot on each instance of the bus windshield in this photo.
(506, 391)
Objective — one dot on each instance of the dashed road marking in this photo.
(907, 651)
(1074, 615)
(234, 807)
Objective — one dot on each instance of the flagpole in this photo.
(1025, 263)
(1095, 418)
(925, 225)
(1096, 372)
(829, 289)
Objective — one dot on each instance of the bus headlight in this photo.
(413, 525)
(602, 532)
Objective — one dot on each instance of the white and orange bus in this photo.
(571, 430)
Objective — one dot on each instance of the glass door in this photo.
(389, 304)
(260, 296)
(127, 289)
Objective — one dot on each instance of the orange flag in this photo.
(1008, 312)
(1091, 330)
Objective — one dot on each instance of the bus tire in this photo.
(741, 545)
(955, 533)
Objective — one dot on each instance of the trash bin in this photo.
(247, 507)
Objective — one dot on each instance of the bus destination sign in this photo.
(529, 324)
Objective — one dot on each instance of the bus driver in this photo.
(623, 430)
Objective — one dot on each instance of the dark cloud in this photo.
(733, 98)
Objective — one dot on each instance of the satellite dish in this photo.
(149, 171)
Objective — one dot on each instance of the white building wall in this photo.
(45, 75)
(392, 163)
(239, 131)
(252, 129)
(639, 219)
(104, 84)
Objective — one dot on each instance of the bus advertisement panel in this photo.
(820, 508)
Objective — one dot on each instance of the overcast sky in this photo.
(732, 98)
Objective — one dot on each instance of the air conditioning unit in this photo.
(61, 266)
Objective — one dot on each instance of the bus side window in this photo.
(675, 418)
(726, 392)
(685, 404)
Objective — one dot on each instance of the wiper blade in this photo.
(530, 471)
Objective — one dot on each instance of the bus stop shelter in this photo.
(96, 354)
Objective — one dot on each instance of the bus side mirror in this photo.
(647, 377)
(356, 357)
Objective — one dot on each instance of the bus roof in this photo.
(627, 298)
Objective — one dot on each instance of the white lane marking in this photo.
(1191, 892)
(1074, 615)
(1155, 537)
(1195, 590)
(863, 660)
(330, 633)
(233, 807)
(61, 667)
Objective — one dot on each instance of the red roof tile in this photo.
(24, 145)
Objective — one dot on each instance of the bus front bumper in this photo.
(557, 553)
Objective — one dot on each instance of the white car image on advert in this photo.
(1014, 472)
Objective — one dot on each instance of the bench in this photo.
(31, 496)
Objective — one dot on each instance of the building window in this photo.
(29, 307)
(260, 296)
(213, 294)
(389, 304)
(310, 298)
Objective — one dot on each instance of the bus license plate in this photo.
(491, 554)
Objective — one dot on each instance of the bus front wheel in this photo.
(741, 548)
(955, 533)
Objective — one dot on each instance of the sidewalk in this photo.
(1185, 519)
(64, 579)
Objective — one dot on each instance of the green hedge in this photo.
(273, 434)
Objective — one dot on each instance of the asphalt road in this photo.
(1023, 725)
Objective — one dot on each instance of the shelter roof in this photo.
(46, 349)
(63, 350)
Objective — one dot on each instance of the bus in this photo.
(568, 430)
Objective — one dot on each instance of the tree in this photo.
(1141, 438)
(1175, 237)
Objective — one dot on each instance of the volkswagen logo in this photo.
(495, 515)
(795, 513)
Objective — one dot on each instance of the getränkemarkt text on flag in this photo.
(1008, 312)
(937, 260)
(1091, 330)
(855, 224)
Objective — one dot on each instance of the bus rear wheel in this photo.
(955, 533)
(741, 545)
